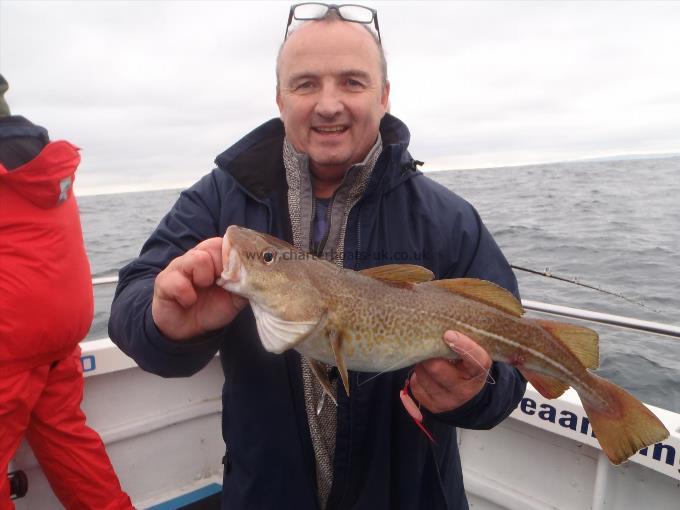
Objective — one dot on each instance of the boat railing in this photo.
(104, 280)
(551, 309)
(603, 318)
(564, 418)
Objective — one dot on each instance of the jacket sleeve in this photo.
(480, 257)
(192, 219)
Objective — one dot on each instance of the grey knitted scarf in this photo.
(322, 426)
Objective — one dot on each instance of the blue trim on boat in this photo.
(188, 498)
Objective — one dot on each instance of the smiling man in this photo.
(334, 177)
(332, 98)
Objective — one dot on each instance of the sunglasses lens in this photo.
(356, 13)
(314, 10)
(310, 11)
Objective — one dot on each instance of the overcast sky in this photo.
(153, 91)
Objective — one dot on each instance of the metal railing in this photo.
(558, 310)
(104, 280)
(603, 318)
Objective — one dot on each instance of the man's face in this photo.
(331, 96)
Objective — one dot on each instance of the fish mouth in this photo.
(233, 275)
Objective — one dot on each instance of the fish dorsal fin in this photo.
(583, 342)
(484, 292)
(401, 275)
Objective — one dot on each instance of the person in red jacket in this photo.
(46, 308)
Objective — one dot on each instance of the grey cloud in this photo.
(152, 91)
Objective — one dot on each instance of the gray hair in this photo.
(330, 17)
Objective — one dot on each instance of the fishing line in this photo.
(485, 371)
(366, 381)
(575, 281)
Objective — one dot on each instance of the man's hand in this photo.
(186, 302)
(442, 385)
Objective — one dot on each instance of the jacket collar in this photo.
(256, 161)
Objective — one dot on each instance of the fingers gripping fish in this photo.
(391, 317)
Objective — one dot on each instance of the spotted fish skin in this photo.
(391, 317)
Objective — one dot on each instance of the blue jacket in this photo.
(382, 460)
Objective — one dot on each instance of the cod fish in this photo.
(394, 316)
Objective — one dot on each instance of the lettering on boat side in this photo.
(661, 457)
(89, 363)
(656, 453)
(549, 413)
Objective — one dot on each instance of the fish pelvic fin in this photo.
(483, 292)
(400, 275)
(582, 342)
(319, 372)
(626, 425)
(336, 345)
(547, 386)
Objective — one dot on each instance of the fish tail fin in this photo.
(624, 425)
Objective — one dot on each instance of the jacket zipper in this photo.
(311, 246)
(358, 252)
(329, 215)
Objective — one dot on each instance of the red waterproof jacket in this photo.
(46, 301)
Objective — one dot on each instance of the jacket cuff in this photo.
(462, 413)
(492, 404)
(208, 341)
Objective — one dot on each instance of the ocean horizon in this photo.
(183, 184)
(612, 223)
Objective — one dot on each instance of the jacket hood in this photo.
(20, 141)
(19, 126)
(269, 138)
(46, 180)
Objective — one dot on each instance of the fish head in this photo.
(274, 276)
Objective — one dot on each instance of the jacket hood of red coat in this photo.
(46, 180)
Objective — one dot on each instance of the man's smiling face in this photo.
(331, 95)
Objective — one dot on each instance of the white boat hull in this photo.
(163, 436)
(164, 439)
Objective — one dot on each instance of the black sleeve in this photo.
(192, 219)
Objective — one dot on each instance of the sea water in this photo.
(609, 224)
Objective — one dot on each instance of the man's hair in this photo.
(332, 16)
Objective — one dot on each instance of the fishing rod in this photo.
(575, 281)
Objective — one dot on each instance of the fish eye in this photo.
(268, 257)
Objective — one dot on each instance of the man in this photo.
(45, 310)
(332, 176)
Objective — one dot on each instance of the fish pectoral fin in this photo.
(278, 335)
(582, 342)
(312, 332)
(547, 386)
(336, 345)
(319, 371)
(399, 274)
(482, 291)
